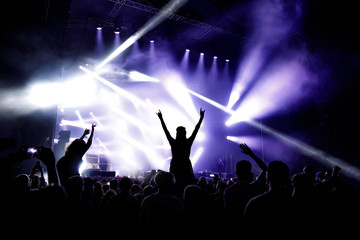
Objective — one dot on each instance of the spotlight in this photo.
(117, 30)
(172, 6)
(202, 54)
(227, 60)
(215, 57)
(99, 26)
(187, 50)
(152, 41)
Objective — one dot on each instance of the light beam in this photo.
(304, 148)
(170, 8)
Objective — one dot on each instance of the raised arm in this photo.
(47, 157)
(245, 149)
(197, 127)
(167, 133)
(86, 132)
(89, 141)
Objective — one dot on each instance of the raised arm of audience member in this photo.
(197, 127)
(48, 158)
(89, 141)
(246, 150)
(167, 133)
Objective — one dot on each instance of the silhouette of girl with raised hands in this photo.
(180, 164)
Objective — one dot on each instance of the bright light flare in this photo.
(139, 77)
(304, 148)
(176, 87)
(73, 92)
(98, 123)
(170, 8)
(77, 123)
(310, 151)
(80, 117)
(153, 157)
(213, 103)
(198, 152)
(279, 88)
(247, 70)
(116, 88)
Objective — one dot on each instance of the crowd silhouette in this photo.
(272, 203)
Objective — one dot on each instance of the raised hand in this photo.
(245, 149)
(46, 155)
(202, 112)
(159, 114)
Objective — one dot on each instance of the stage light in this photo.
(99, 26)
(227, 60)
(139, 77)
(80, 117)
(175, 85)
(267, 94)
(213, 74)
(133, 98)
(312, 152)
(105, 149)
(246, 72)
(171, 7)
(185, 60)
(213, 103)
(198, 152)
(98, 123)
(234, 97)
(152, 41)
(77, 123)
(117, 30)
(153, 157)
(133, 120)
(304, 148)
(254, 142)
(200, 69)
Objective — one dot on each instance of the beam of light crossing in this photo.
(102, 145)
(175, 85)
(170, 8)
(185, 60)
(133, 120)
(199, 151)
(139, 77)
(117, 89)
(215, 104)
(304, 148)
(149, 152)
(73, 123)
(80, 117)
(310, 151)
(98, 123)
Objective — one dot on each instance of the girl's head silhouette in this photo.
(180, 132)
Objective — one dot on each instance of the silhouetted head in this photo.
(192, 195)
(125, 184)
(180, 132)
(164, 180)
(22, 183)
(243, 170)
(75, 185)
(277, 174)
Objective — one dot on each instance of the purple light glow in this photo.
(279, 88)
